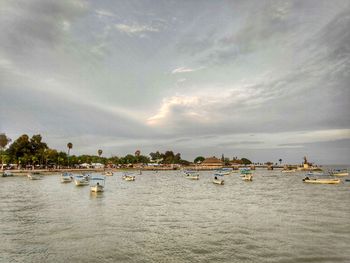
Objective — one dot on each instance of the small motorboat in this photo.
(34, 176)
(108, 173)
(80, 180)
(7, 174)
(312, 173)
(129, 177)
(192, 175)
(289, 171)
(247, 177)
(224, 171)
(321, 181)
(66, 178)
(97, 184)
(339, 172)
(218, 179)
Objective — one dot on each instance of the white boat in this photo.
(66, 178)
(289, 171)
(80, 180)
(340, 172)
(321, 181)
(192, 175)
(108, 173)
(247, 177)
(7, 174)
(218, 179)
(34, 176)
(129, 177)
(97, 184)
(224, 171)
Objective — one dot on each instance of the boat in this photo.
(108, 173)
(321, 181)
(80, 180)
(97, 184)
(311, 173)
(192, 175)
(247, 177)
(245, 171)
(34, 176)
(86, 176)
(7, 174)
(218, 179)
(339, 172)
(289, 171)
(347, 180)
(129, 177)
(66, 178)
(224, 171)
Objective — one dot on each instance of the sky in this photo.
(258, 79)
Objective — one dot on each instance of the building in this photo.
(212, 163)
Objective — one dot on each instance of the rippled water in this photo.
(163, 217)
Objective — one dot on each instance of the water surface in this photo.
(163, 217)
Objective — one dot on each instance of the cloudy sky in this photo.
(260, 79)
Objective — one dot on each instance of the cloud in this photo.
(104, 13)
(185, 70)
(135, 29)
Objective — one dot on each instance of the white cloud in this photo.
(104, 13)
(185, 70)
(135, 29)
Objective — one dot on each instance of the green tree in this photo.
(21, 150)
(280, 160)
(99, 152)
(246, 161)
(4, 141)
(199, 159)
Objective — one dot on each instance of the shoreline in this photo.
(21, 172)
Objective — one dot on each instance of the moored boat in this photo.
(34, 176)
(224, 171)
(192, 175)
(218, 179)
(80, 180)
(97, 184)
(289, 171)
(247, 177)
(321, 181)
(129, 177)
(108, 173)
(7, 174)
(339, 172)
(66, 178)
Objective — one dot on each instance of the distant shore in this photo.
(24, 172)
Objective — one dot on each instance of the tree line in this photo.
(29, 151)
(33, 151)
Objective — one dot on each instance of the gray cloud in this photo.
(267, 68)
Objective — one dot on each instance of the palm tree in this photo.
(69, 146)
(137, 153)
(99, 152)
(280, 160)
(4, 140)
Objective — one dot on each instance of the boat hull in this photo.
(192, 177)
(96, 188)
(220, 182)
(340, 174)
(81, 182)
(322, 181)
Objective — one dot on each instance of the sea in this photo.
(165, 217)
